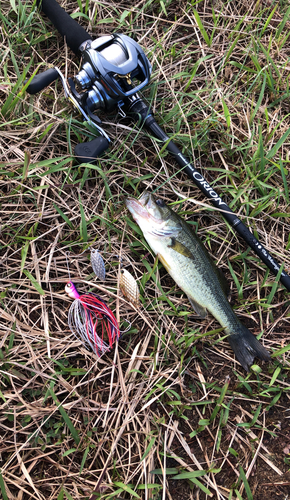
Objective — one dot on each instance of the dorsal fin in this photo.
(223, 281)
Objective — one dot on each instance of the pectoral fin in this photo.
(200, 310)
(180, 248)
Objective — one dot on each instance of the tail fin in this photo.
(246, 347)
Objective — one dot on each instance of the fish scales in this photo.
(186, 259)
(194, 275)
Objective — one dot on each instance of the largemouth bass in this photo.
(186, 259)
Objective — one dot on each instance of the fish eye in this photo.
(160, 203)
(68, 285)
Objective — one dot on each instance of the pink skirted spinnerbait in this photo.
(86, 313)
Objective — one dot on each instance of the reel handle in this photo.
(74, 34)
(88, 152)
(42, 80)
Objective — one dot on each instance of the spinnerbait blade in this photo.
(129, 287)
(98, 264)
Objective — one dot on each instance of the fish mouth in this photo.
(141, 207)
(145, 198)
(136, 208)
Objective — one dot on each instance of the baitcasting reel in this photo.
(110, 64)
(114, 68)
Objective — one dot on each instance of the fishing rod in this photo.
(114, 69)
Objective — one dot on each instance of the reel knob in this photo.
(88, 152)
(42, 80)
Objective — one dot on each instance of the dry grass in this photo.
(170, 396)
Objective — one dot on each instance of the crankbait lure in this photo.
(87, 314)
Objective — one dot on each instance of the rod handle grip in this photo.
(73, 32)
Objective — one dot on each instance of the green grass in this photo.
(169, 410)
